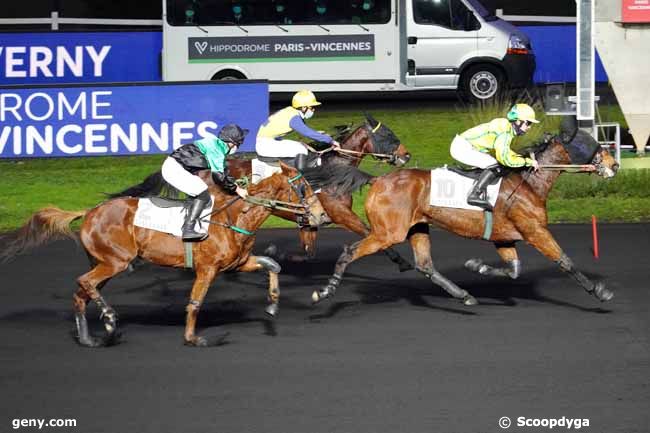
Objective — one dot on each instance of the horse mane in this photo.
(337, 179)
(152, 186)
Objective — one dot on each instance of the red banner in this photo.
(636, 11)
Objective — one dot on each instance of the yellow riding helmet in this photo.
(522, 112)
(304, 98)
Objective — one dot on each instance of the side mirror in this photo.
(471, 23)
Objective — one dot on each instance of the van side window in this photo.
(450, 14)
(277, 12)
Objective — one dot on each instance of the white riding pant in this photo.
(271, 147)
(176, 175)
(463, 151)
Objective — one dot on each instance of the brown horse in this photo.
(398, 208)
(371, 138)
(111, 242)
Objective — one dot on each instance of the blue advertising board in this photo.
(70, 57)
(67, 57)
(124, 119)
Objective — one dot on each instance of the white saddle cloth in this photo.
(450, 189)
(261, 170)
(166, 220)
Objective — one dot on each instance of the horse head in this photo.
(290, 185)
(577, 148)
(383, 141)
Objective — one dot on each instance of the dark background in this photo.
(151, 9)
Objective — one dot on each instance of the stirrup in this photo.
(480, 202)
(192, 236)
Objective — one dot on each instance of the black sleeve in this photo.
(226, 182)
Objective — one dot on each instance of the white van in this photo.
(346, 45)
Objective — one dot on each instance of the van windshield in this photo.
(480, 9)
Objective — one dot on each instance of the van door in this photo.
(441, 35)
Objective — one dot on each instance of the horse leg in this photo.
(89, 285)
(508, 254)
(341, 213)
(255, 263)
(364, 247)
(421, 244)
(543, 241)
(204, 277)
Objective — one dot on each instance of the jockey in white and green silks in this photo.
(180, 170)
(487, 146)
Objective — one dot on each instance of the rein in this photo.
(576, 167)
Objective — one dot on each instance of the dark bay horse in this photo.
(111, 242)
(371, 138)
(398, 208)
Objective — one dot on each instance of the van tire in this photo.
(482, 82)
(228, 75)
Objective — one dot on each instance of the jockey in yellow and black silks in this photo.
(270, 141)
(487, 146)
(180, 168)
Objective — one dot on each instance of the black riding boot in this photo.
(193, 213)
(478, 196)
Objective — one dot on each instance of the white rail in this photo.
(54, 20)
(535, 18)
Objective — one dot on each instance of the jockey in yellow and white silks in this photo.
(269, 138)
(487, 146)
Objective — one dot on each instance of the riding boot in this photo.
(193, 213)
(301, 162)
(478, 196)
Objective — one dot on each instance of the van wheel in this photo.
(228, 75)
(482, 82)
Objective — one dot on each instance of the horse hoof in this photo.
(315, 297)
(272, 310)
(469, 300)
(271, 250)
(197, 342)
(474, 265)
(90, 342)
(602, 293)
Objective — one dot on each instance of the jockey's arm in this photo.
(226, 182)
(297, 124)
(505, 155)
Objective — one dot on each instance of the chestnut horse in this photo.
(371, 138)
(398, 208)
(111, 242)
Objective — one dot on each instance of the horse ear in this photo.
(371, 120)
(287, 170)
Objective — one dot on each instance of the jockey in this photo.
(269, 138)
(487, 146)
(180, 168)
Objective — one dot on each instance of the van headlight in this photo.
(518, 45)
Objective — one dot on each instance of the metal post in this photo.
(55, 20)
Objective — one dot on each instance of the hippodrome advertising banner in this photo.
(66, 57)
(281, 48)
(124, 119)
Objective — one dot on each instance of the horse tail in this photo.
(44, 226)
(152, 185)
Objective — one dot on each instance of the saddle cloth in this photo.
(261, 170)
(450, 189)
(166, 219)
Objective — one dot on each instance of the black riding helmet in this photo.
(232, 133)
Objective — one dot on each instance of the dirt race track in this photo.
(390, 353)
